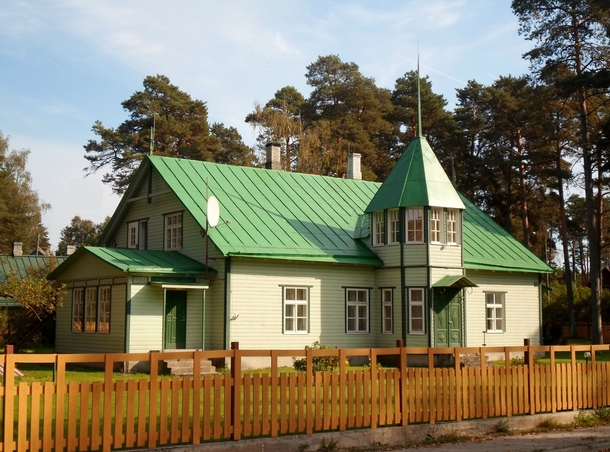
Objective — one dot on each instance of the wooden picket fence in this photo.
(160, 410)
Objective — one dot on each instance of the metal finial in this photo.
(419, 134)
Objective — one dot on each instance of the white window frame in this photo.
(453, 226)
(495, 312)
(103, 309)
(136, 235)
(173, 231)
(415, 225)
(387, 311)
(436, 225)
(415, 303)
(357, 311)
(394, 226)
(90, 310)
(296, 298)
(78, 309)
(379, 228)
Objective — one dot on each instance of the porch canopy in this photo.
(454, 282)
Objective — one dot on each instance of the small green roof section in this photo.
(417, 179)
(139, 261)
(20, 266)
(454, 281)
(274, 214)
(487, 246)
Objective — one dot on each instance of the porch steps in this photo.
(185, 366)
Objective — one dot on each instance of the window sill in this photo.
(494, 332)
(296, 333)
(357, 332)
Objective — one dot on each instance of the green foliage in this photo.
(20, 207)
(584, 420)
(180, 130)
(320, 363)
(80, 232)
(328, 446)
(502, 427)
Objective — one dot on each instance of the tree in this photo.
(228, 147)
(572, 36)
(20, 207)
(180, 130)
(80, 232)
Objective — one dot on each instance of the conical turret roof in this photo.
(418, 179)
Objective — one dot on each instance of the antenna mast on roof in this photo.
(418, 101)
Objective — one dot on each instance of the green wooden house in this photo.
(297, 258)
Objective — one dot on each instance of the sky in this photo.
(66, 63)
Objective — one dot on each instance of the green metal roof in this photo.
(417, 179)
(455, 281)
(274, 214)
(139, 261)
(487, 246)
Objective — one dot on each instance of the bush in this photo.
(320, 363)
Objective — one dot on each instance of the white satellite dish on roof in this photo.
(212, 211)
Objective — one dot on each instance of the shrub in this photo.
(320, 363)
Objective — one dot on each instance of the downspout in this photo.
(127, 312)
(203, 319)
(164, 320)
(227, 324)
(403, 295)
(426, 227)
(540, 326)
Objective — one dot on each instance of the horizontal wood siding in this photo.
(522, 308)
(68, 341)
(256, 294)
(146, 319)
(416, 277)
(194, 319)
(438, 273)
(446, 255)
(389, 254)
(416, 254)
(89, 267)
(388, 278)
(417, 340)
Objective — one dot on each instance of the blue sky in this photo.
(66, 63)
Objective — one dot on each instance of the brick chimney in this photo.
(273, 156)
(17, 249)
(353, 167)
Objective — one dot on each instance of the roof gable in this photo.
(417, 179)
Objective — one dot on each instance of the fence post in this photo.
(9, 398)
(402, 366)
(236, 391)
(529, 359)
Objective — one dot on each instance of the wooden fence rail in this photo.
(162, 410)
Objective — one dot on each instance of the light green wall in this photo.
(68, 341)
(521, 306)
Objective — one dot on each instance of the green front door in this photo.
(175, 320)
(447, 317)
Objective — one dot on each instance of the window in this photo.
(415, 225)
(495, 312)
(91, 309)
(357, 310)
(78, 304)
(136, 235)
(387, 310)
(103, 307)
(436, 230)
(295, 310)
(416, 311)
(394, 224)
(453, 217)
(379, 228)
(173, 231)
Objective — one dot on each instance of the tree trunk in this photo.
(523, 194)
(566, 249)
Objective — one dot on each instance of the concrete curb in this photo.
(404, 436)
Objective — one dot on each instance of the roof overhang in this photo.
(454, 281)
(178, 286)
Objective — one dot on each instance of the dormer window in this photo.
(415, 225)
(394, 226)
(379, 228)
(453, 225)
(436, 225)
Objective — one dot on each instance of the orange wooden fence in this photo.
(163, 410)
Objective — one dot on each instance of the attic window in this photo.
(394, 225)
(173, 231)
(453, 225)
(436, 225)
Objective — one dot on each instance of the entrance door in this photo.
(175, 319)
(447, 317)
